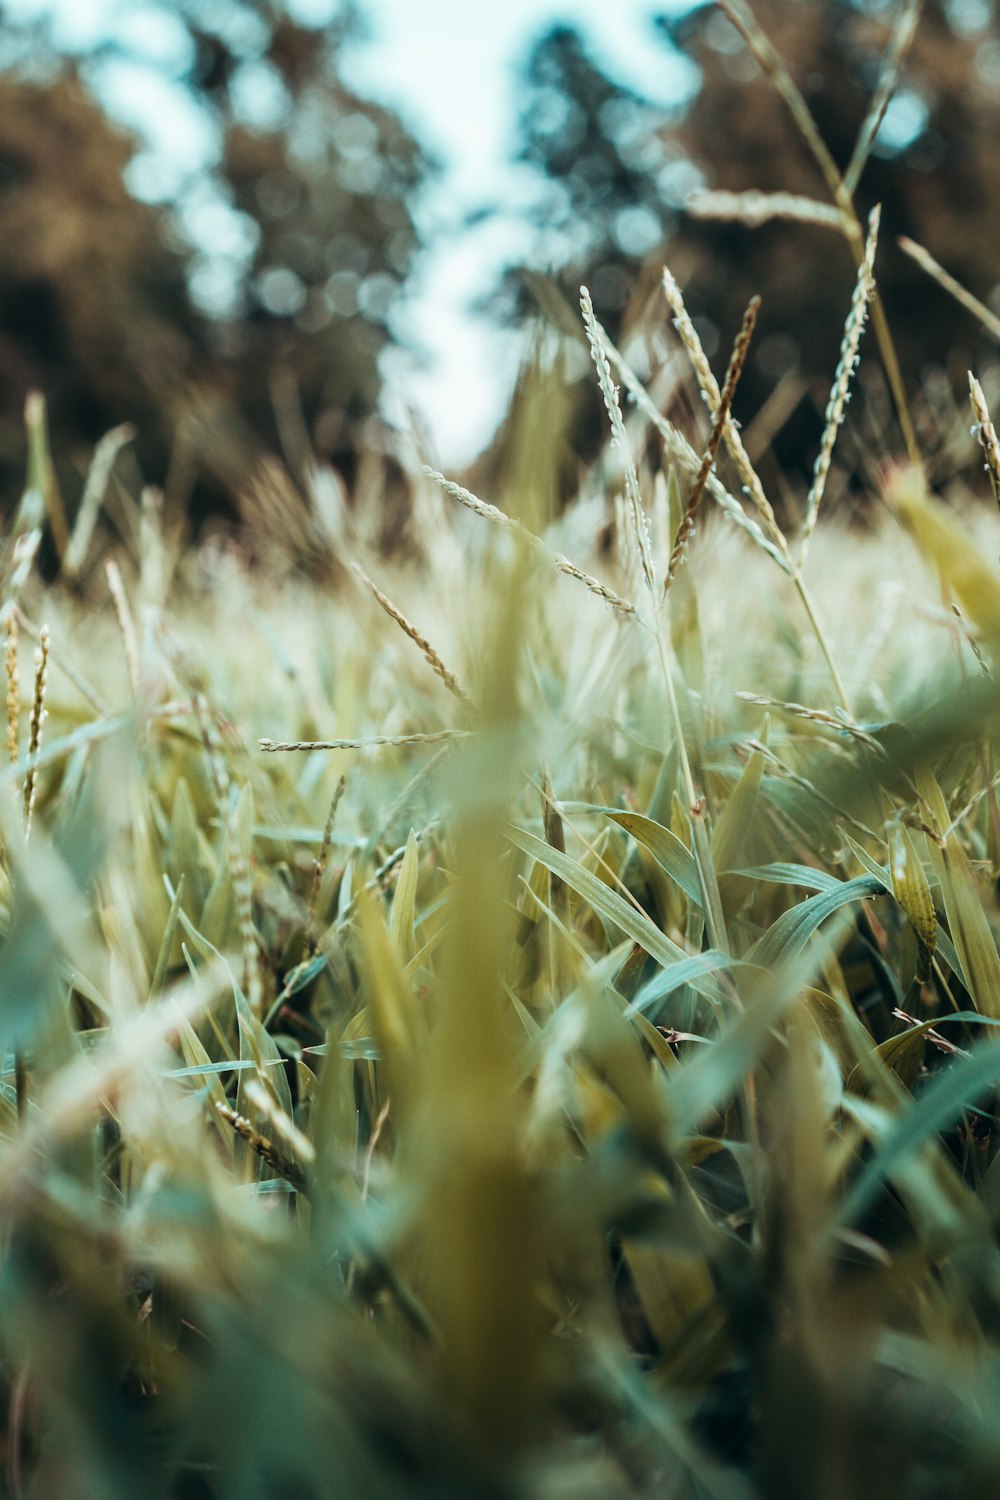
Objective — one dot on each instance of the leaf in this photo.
(909, 1044)
(304, 973)
(666, 848)
(167, 941)
(698, 966)
(210, 1069)
(217, 920)
(792, 874)
(200, 1063)
(607, 903)
(793, 929)
(940, 1105)
(84, 735)
(949, 547)
(259, 1046)
(970, 931)
(404, 903)
(710, 1079)
(729, 836)
(49, 920)
(396, 1020)
(880, 872)
(185, 848)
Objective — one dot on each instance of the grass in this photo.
(511, 1028)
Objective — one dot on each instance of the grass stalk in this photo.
(743, 18)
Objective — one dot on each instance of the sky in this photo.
(449, 67)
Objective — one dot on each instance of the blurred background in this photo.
(322, 230)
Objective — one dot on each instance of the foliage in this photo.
(595, 145)
(526, 1024)
(247, 315)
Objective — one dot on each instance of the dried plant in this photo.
(926, 261)
(619, 437)
(754, 208)
(846, 366)
(722, 419)
(500, 518)
(373, 741)
(987, 434)
(431, 657)
(126, 624)
(36, 722)
(628, 1122)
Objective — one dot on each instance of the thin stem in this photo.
(824, 644)
(21, 1084)
(763, 49)
(714, 920)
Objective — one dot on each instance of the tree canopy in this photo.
(252, 307)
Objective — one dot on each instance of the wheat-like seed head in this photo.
(712, 396)
(853, 328)
(500, 518)
(13, 691)
(609, 391)
(39, 714)
(265, 1148)
(987, 433)
(215, 750)
(842, 723)
(406, 625)
(677, 449)
(722, 417)
(370, 743)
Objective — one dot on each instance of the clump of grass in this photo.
(599, 1095)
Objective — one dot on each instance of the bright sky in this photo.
(449, 67)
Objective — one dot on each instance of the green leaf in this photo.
(938, 1106)
(698, 967)
(666, 848)
(970, 931)
(791, 874)
(199, 1063)
(605, 902)
(729, 836)
(793, 929)
(404, 903)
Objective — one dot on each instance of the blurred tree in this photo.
(598, 213)
(623, 171)
(250, 310)
(933, 169)
(598, 150)
(94, 310)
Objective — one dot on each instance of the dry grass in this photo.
(593, 1094)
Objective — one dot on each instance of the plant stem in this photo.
(714, 920)
(824, 644)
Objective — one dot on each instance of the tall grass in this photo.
(515, 1029)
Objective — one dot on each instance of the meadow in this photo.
(515, 1016)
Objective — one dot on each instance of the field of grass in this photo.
(513, 1018)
